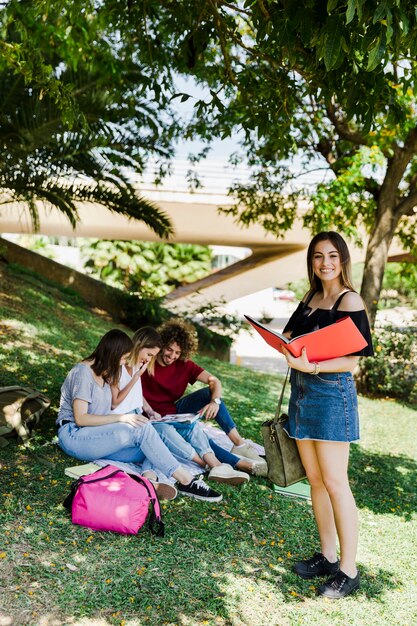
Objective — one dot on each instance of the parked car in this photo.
(283, 294)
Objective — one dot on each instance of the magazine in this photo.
(180, 418)
(338, 339)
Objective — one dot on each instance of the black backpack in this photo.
(20, 411)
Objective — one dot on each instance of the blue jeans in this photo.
(184, 440)
(118, 442)
(193, 403)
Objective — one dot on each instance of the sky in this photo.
(215, 171)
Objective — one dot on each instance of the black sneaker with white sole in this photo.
(318, 565)
(198, 490)
(339, 586)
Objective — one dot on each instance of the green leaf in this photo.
(331, 4)
(333, 43)
(377, 52)
(350, 13)
(380, 12)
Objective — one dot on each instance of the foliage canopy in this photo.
(78, 113)
(324, 86)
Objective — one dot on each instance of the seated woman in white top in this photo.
(190, 443)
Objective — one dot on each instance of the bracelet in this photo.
(316, 369)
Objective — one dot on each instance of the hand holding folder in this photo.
(339, 339)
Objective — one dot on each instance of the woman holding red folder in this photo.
(323, 413)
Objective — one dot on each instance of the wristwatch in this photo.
(217, 401)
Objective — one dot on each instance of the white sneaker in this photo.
(246, 452)
(225, 473)
(260, 468)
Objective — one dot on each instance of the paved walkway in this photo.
(250, 350)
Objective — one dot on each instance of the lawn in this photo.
(227, 564)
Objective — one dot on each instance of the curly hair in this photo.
(181, 332)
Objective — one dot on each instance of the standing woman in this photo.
(323, 413)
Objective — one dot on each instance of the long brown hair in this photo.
(344, 255)
(108, 353)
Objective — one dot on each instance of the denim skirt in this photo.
(323, 407)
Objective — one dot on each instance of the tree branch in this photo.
(406, 206)
(263, 9)
(372, 187)
(235, 8)
(220, 25)
(343, 129)
(398, 163)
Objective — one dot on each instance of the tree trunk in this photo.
(376, 258)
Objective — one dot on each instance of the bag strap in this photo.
(89, 478)
(155, 523)
(281, 398)
(31, 394)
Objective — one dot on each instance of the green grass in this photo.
(227, 564)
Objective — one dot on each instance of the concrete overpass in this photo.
(195, 216)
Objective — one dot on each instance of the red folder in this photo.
(339, 339)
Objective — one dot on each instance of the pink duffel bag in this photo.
(112, 500)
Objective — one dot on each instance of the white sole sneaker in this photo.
(246, 452)
(226, 474)
(260, 468)
(202, 498)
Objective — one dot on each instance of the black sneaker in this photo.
(318, 565)
(200, 491)
(339, 586)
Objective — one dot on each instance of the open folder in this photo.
(339, 339)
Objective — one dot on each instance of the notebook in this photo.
(81, 470)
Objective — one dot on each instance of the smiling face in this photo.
(326, 262)
(146, 354)
(169, 355)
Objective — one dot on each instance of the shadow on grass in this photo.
(384, 483)
(374, 583)
(226, 563)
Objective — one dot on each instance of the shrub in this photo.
(215, 328)
(393, 371)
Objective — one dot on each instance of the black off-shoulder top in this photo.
(303, 321)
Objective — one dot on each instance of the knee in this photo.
(147, 430)
(335, 486)
(205, 394)
(315, 479)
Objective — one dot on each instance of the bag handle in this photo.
(155, 523)
(281, 398)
